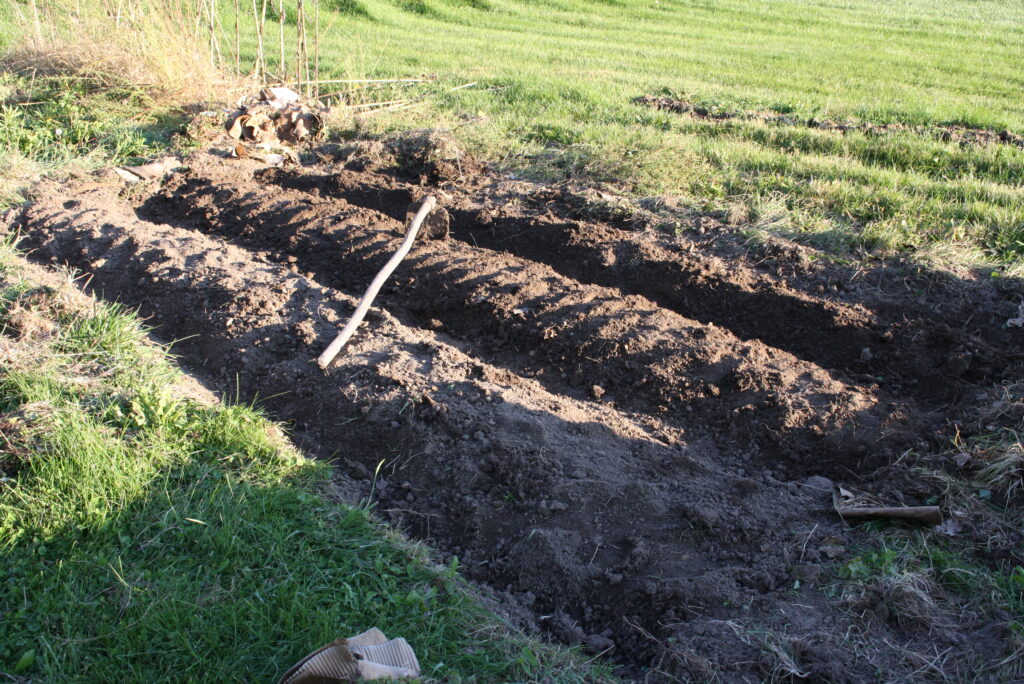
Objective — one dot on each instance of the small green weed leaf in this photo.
(27, 660)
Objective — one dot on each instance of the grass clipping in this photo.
(157, 44)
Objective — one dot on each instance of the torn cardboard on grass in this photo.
(262, 127)
(277, 116)
(369, 656)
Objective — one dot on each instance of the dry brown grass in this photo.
(998, 451)
(161, 45)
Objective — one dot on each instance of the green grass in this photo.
(556, 80)
(52, 124)
(148, 537)
(923, 582)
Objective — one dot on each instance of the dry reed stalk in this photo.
(260, 65)
(300, 46)
(163, 46)
(238, 43)
(38, 25)
(216, 59)
(280, 25)
(316, 48)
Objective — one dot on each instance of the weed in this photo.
(57, 123)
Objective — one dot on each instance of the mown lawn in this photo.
(556, 81)
(555, 84)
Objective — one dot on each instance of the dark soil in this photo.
(629, 437)
(963, 135)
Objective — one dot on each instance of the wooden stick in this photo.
(926, 514)
(325, 359)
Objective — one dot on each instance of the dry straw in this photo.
(175, 49)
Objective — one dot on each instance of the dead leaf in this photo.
(949, 527)
(961, 459)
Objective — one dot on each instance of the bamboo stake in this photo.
(392, 108)
(263, 57)
(377, 104)
(325, 359)
(305, 47)
(218, 25)
(211, 25)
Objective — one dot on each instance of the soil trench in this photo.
(530, 319)
(909, 345)
(629, 442)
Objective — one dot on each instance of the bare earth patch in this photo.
(629, 436)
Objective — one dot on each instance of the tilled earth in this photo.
(630, 436)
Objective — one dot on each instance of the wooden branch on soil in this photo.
(930, 515)
(325, 359)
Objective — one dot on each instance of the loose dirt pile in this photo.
(630, 437)
(963, 135)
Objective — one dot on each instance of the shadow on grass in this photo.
(153, 539)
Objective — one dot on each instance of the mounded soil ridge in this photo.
(629, 437)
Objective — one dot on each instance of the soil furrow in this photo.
(620, 349)
(912, 352)
(589, 418)
(691, 285)
(608, 528)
